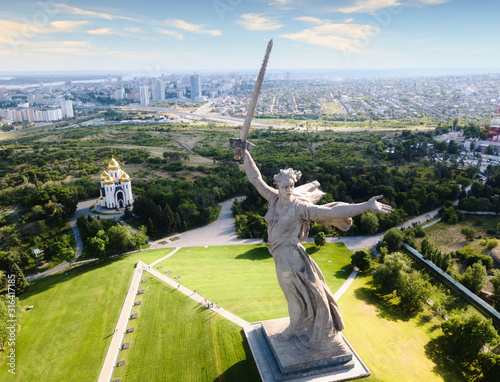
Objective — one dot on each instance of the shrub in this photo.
(320, 239)
(469, 233)
(491, 243)
(361, 259)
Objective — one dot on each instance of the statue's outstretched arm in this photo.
(254, 176)
(344, 210)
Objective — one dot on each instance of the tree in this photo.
(320, 239)
(167, 218)
(466, 335)
(369, 222)
(412, 206)
(394, 239)
(20, 281)
(383, 253)
(361, 259)
(127, 214)
(495, 281)
(450, 215)
(414, 290)
(141, 238)
(489, 364)
(469, 233)
(426, 247)
(389, 274)
(121, 240)
(96, 246)
(475, 277)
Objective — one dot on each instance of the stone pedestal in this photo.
(289, 361)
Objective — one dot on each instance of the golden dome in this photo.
(124, 177)
(113, 164)
(104, 175)
(109, 180)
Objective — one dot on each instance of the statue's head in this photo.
(285, 181)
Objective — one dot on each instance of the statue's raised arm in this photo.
(255, 177)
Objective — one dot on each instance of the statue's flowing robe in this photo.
(314, 315)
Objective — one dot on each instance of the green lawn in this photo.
(66, 335)
(393, 345)
(242, 278)
(176, 339)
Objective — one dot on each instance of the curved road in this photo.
(220, 232)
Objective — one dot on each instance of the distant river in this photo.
(59, 83)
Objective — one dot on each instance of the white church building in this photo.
(116, 187)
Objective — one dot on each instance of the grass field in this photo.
(242, 279)
(333, 108)
(447, 237)
(394, 346)
(176, 339)
(66, 335)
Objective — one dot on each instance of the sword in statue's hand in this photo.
(241, 143)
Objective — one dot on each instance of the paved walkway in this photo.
(121, 327)
(221, 311)
(345, 285)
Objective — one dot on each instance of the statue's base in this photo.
(279, 361)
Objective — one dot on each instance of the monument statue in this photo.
(315, 317)
(308, 342)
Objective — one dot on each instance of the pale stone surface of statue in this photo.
(315, 318)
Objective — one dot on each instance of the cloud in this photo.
(105, 31)
(177, 35)
(100, 15)
(133, 29)
(70, 47)
(287, 4)
(66, 25)
(14, 33)
(24, 47)
(369, 6)
(310, 19)
(194, 28)
(258, 22)
(337, 36)
(432, 2)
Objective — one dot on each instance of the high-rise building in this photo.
(195, 87)
(119, 94)
(31, 99)
(158, 90)
(144, 90)
(67, 108)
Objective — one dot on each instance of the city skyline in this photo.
(156, 36)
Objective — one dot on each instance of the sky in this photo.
(205, 35)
